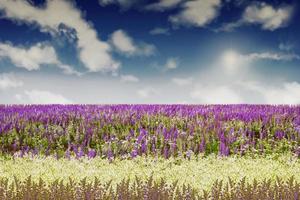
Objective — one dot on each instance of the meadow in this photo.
(149, 152)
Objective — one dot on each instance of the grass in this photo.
(199, 172)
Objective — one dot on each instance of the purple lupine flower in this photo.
(227, 151)
(166, 152)
(153, 148)
(189, 154)
(134, 153)
(175, 134)
(202, 145)
(110, 155)
(75, 149)
(142, 135)
(223, 149)
(173, 146)
(140, 138)
(128, 137)
(80, 153)
(279, 134)
(165, 132)
(222, 137)
(92, 153)
(22, 153)
(35, 151)
(144, 147)
(27, 149)
(14, 146)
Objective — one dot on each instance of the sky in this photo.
(149, 52)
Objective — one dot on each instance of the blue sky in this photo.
(142, 51)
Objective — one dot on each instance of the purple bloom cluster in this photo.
(130, 130)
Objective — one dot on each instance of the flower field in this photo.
(134, 151)
(127, 131)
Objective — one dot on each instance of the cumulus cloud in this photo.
(30, 58)
(93, 53)
(160, 31)
(182, 81)
(8, 81)
(163, 5)
(33, 57)
(197, 13)
(129, 78)
(269, 17)
(125, 44)
(42, 97)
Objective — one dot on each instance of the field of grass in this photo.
(147, 151)
(199, 172)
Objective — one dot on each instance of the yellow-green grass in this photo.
(199, 172)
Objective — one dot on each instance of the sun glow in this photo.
(230, 60)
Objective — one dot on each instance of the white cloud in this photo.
(288, 93)
(30, 58)
(182, 81)
(205, 88)
(124, 4)
(233, 62)
(197, 13)
(160, 31)
(67, 69)
(282, 93)
(129, 78)
(163, 5)
(172, 63)
(93, 53)
(126, 45)
(8, 81)
(216, 95)
(123, 42)
(42, 97)
(271, 56)
(33, 57)
(268, 17)
(147, 92)
(247, 92)
(229, 27)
